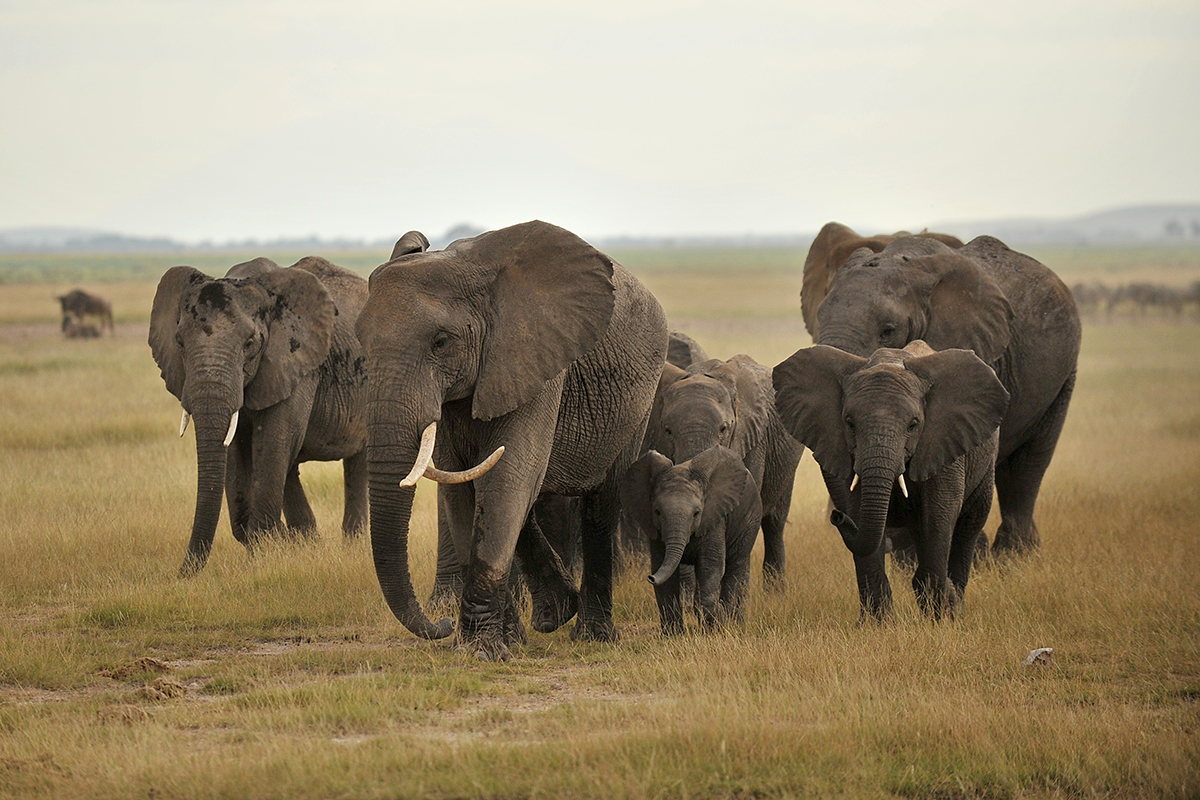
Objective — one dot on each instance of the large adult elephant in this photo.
(526, 339)
(266, 362)
(732, 404)
(831, 250)
(1016, 315)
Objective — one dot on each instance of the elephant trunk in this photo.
(675, 547)
(388, 462)
(876, 494)
(212, 423)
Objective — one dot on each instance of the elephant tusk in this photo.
(183, 423)
(435, 474)
(903, 488)
(232, 427)
(854, 482)
(424, 455)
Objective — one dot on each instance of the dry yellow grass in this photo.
(284, 675)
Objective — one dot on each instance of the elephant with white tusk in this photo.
(265, 362)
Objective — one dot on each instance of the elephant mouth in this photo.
(423, 466)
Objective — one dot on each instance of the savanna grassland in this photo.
(284, 675)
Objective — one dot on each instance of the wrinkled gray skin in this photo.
(930, 417)
(527, 338)
(1016, 315)
(277, 346)
(704, 512)
(732, 404)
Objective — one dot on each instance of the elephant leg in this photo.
(874, 591)
(774, 558)
(964, 547)
(296, 510)
(555, 600)
(599, 513)
(1019, 477)
(354, 480)
(710, 570)
(667, 594)
(448, 583)
(238, 469)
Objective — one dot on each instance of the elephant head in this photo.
(712, 403)
(243, 341)
(830, 251)
(916, 288)
(485, 326)
(901, 412)
(678, 505)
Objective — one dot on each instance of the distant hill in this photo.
(1163, 224)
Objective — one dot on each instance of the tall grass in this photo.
(284, 675)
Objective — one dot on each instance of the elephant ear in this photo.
(967, 308)
(637, 492)
(808, 396)
(819, 270)
(299, 315)
(654, 439)
(164, 320)
(725, 478)
(963, 408)
(409, 243)
(551, 301)
(755, 402)
(251, 268)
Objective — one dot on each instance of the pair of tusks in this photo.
(183, 423)
(903, 488)
(424, 463)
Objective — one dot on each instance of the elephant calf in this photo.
(933, 416)
(704, 512)
(266, 362)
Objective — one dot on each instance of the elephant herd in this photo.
(535, 380)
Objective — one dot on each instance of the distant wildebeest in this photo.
(79, 304)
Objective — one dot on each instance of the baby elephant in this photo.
(704, 512)
(930, 416)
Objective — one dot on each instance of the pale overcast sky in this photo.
(212, 120)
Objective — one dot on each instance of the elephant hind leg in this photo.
(599, 514)
(774, 558)
(1019, 477)
(555, 600)
(296, 510)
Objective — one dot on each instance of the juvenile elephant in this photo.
(831, 250)
(704, 512)
(1011, 310)
(266, 362)
(931, 416)
(732, 403)
(527, 344)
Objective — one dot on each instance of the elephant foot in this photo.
(484, 648)
(595, 631)
(1016, 539)
(192, 564)
(982, 552)
(552, 610)
(773, 580)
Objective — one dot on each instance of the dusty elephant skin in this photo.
(266, 362)
(525, 338)
(704, 512)
(1012, 311)
(917, 431)
(732, 404)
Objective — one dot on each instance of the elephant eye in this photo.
(912, 426)
(887, 331)
(849, 423)
(724, 427)
(666, 430)
(178, 339)
(440, 341)
(250, 342)
(696, 512)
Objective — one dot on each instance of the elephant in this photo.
(704, 512)
(77, 304)
(829, 252)
(933, 416)
(732, 403)
(528, 344)
(1014, 312)
(266, 362)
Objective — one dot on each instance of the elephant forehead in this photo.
(888, 378)
(678, 482)
(697, 387)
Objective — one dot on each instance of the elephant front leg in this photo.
(774, 558)
(599, 514)
(667, 594)
(874, 591)
(710, 572)
(354, 481)
(237, 483)
(448, 582)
